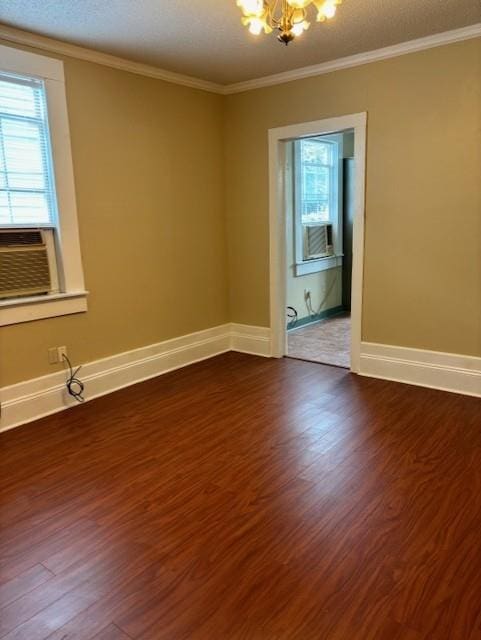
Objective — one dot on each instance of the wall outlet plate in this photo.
(55, 354)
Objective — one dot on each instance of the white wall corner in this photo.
(433, 369)
(250, 339)
(33, 399)
(39, 397)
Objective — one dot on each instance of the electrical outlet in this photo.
(55, 354)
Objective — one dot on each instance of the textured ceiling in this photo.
(204, 38)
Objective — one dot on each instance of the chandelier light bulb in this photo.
(329, 9)
(299, 28)
(255, 26)
(251, 7)
(326, 9)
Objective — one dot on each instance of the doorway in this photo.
(319, 191)
(317, 172)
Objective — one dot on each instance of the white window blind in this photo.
(27, 196)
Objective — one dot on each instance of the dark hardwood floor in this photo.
(246, 498)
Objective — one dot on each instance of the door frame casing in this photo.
(277, 224)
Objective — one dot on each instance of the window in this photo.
(27, 195)
(316, 175)
(38, 218)
(318, 199)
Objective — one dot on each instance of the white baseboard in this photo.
(434, 369)
(33, 399)
(250, 339)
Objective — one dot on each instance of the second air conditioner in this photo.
(317, 241)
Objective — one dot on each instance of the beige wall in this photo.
(149, 178)
(152, 164)
(423, 193)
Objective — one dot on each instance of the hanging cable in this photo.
(291, 317)
(314, 314)
(75, 387)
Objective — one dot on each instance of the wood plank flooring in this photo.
(245, 499)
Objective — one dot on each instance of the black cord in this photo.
(75, 387)
(291, 317)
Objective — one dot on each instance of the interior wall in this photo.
(153, 162)
(325, 286)
(422, 273)
(148, 169)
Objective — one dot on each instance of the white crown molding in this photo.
(18, 36)
(411, 46)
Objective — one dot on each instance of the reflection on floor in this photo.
(328, 341)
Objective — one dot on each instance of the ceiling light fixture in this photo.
(289, 17)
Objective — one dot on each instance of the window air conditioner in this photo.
(317, 241)
(27, 262)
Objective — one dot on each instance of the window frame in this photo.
(39, 122)
(72, 297)
(304, 267)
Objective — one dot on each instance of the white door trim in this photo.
(277, 224)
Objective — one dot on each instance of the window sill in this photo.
(315, 266)
(19, 310)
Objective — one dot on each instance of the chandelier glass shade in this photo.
(288, 17)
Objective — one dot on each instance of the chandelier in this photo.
(289, 17)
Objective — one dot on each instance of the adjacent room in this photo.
(319, 200)
(240, 320)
